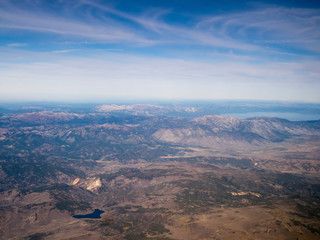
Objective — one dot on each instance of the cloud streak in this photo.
(88, 48)
(273, 25)
(146, 30)
(173, 34)
(246, 31)
(17, 44)
(21, 20)
(117, 75)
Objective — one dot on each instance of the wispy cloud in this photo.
(120, 75)
(17, 44)
(146, 31)
(95, 49)
(42, 21)
(274, 25)
(90, 20)
(65, 51)
(171, 34)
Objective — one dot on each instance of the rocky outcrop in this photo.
(90, 183)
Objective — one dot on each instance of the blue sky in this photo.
(95, 50)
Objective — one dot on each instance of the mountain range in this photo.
(154, 173)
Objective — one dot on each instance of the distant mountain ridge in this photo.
(214, 129)
(26, 139)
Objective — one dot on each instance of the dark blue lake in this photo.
(95, 214)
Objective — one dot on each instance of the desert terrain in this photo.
(157, 176)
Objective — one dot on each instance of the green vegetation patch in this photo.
(71, 205)
(157, 228)
(136, 236)
(37, 236)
